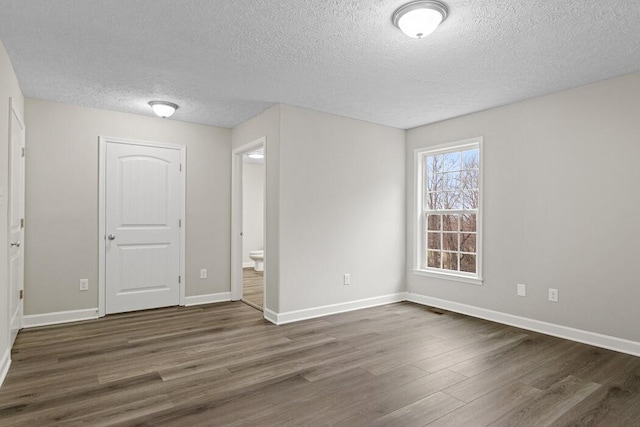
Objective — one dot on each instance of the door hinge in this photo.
(21, 222)
(179, 279)
(21, 294)
(179, 223)
(180, 167)
(22, 151)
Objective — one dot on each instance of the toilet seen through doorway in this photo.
(258, 259)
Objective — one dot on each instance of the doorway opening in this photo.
(248, 224)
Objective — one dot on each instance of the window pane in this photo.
(433, 222)
(471, 159)
(450, 222)
(470, 199)
(450, 241)
(451, 181)
(433, 240)
(468, 263)
(435, 201)
(452, 162)
(434, 164)
(468, 242)
(434, 182)
(433, 259)
(468, 222)
(450, 261)
(452, 199)
(469, 179)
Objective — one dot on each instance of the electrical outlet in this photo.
(203, 273)
(522, 290)
(84, 284)
(553, 295)
(347, 279)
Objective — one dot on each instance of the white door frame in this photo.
(236, 218)
(102, 214)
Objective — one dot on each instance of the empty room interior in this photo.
(348, 213)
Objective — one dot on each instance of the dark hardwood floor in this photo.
(396, 365)
(253, 287)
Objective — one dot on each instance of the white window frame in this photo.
(419, 235)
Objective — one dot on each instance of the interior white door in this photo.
(142, 203)
(16, 221)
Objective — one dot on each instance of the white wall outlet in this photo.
(522, 290)
(553, 295)
(84, 284)
(203, 273)
(347, 279)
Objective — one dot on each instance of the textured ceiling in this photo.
(225, 61)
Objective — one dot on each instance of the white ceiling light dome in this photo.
(256, 155)
(418, 19)
(163, 109)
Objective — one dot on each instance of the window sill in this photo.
(448, 276)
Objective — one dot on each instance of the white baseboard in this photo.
(585, 337)
(248, 264)
(5, 362)
(207, 299)
(311, 313)
(271, 316)
(33, 320)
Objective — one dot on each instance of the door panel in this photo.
(143, 237)
(16, 218)
(155, 260)
(144, 198)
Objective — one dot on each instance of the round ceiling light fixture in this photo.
(256, 155)
(163, 109)
(418, 19)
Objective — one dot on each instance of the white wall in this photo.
(342, 209)
(8, 89)
(561, 202)
(335, 197)
(62, 200)
(252, 209)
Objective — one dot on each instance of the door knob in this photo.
(111, 237)
(16, 244)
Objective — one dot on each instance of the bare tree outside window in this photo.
(451, 201)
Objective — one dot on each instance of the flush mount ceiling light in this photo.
(418, 19)
(256, 155)
(163, 109)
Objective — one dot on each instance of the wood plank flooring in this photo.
(396, 365)
(253, 287)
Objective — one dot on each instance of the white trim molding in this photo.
(207, 299)
(248, 264)
(585, 337)
(5, 363)
(448, 276)
(34, 320)
(326, 310)
(270, 315)
(419, 236)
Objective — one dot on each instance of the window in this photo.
(448, 195)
